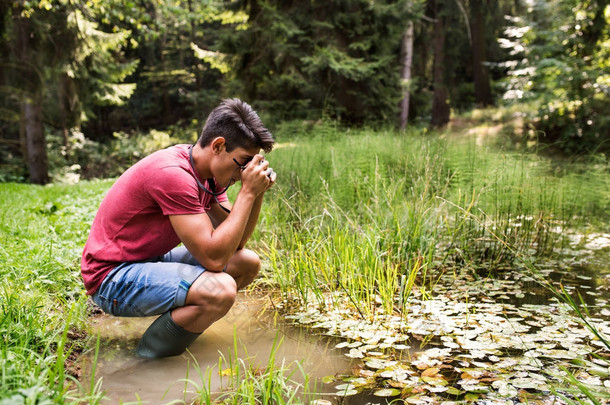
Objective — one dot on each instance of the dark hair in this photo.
(239, 124)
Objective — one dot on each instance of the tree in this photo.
(479, 53)
(301, 57)
(59, 63)
(440, 102)
(563, 68)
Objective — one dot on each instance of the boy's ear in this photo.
(218, 144)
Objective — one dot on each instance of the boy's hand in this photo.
(257, 177)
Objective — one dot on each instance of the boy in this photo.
(131, 265)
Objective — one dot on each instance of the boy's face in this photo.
(231, 165)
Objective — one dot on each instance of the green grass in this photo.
(42, 231)
(243, 383)
(356, 210)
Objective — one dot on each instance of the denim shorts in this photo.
(149, 288)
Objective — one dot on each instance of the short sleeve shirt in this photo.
(132, 223)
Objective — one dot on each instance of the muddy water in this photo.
(127, 378)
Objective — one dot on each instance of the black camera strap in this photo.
(211, 183)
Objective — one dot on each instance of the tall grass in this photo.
(355, 211)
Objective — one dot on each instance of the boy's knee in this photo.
(213, 290)
(251, 261)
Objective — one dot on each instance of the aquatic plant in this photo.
(244, 383)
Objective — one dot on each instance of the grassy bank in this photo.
(43, 320)
(363, 225)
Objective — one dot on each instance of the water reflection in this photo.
(128, 378)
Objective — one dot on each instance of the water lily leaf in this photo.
(397, 384)
(471, 397)
(416, 400)
(454, 391)
(320, 402)
(476, 388)
(355, 354)
(560, 354)
(357, 381)
(328, 379)
(505, 389)
(430, 372)
(378, 364)
(341, 345)
(436, 388)
(366, 373)
(435, 380)
(527, 383)
(346, 393)
(377, 354)
(386, 392)
(345, 387)
(396, 374)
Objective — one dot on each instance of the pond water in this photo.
(499, 337)
(126, 377)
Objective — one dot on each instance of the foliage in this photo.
(336, 58)
(565, 51)
(85, 159)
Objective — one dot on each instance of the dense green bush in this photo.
(83, 158)
(565, 68)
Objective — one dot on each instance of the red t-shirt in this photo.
(132, 223)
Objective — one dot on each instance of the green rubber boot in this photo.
(165, 338)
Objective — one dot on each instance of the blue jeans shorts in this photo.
(149, 288)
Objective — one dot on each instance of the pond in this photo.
(125, 377)
(475, 335)
(481, 335)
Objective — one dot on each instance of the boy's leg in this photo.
(243, 266)
(195, 297)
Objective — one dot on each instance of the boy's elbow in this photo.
(215, 264)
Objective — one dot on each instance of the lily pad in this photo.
(346, 393)
(345, 387)
(386, 392)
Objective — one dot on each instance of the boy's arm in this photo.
(218, 215)
(214, 247)
(252, 221)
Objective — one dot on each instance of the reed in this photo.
(354, 211)
(246, 383)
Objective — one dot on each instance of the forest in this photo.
(439, 229)
(76, 75)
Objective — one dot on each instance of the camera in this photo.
(271, 172)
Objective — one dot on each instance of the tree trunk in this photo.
(440, 105)
(31, 108)
(23, 142)
(481, 76)
(36, 143)
(406, 75)
(64, 107)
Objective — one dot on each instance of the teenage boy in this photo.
(131, 265)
